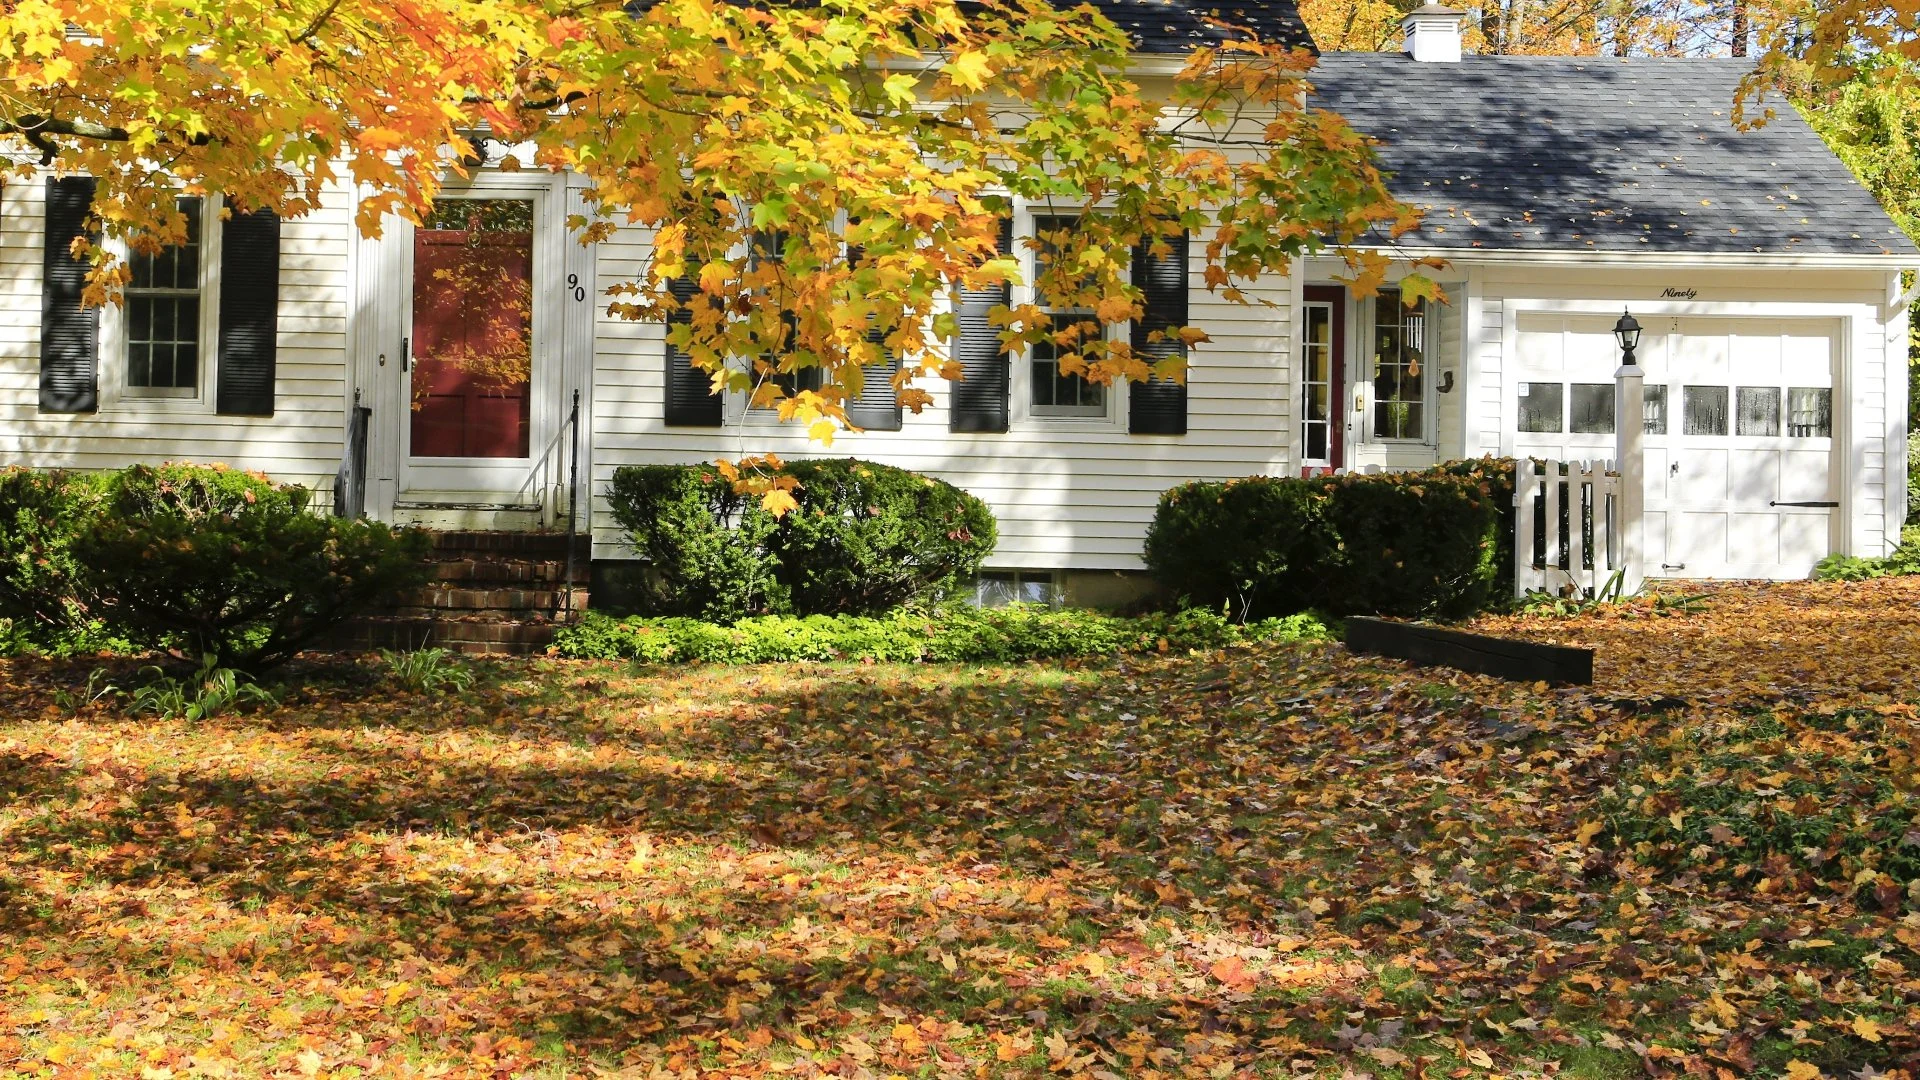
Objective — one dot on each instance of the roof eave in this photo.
(1893, 260)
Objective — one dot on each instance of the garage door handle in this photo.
(1830, 504)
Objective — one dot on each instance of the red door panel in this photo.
(473, 332)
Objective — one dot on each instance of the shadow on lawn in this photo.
(838, 774)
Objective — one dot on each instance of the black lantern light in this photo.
(1627, 331)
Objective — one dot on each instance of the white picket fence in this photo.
(1570, 528)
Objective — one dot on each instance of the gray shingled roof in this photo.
(1176, 27)
(1600, 154)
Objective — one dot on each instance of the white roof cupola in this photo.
(1433, 34)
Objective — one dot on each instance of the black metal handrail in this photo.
(573, 492)
(350, 482)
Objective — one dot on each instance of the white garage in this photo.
(1742, 473)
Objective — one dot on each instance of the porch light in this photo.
(1627, 332)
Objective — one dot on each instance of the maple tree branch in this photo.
(313, 28)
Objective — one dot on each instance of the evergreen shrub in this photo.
(864, 539)
(1435, 542)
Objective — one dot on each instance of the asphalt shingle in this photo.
(1170, 27)
(1600, 154)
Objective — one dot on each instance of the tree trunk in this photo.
(1740, 27)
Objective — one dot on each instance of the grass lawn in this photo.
(1269, 861)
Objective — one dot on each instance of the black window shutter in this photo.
(877, 408)
(1159, 406)
(69, 330)
(249, 313)
(690, 400)
(980, 399)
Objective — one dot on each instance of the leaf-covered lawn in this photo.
(1262, 862)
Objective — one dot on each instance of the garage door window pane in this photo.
(1759, 411)
(1540, 406)
(1656, 410)
(1592, 408)
(1706, 410)
(1810, 412)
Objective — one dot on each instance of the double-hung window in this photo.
(165, 309)
(1053, 391)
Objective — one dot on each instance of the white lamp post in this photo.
(1630, 427)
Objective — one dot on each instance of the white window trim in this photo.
(1336, 391)
(116, 395)
(1021, 414)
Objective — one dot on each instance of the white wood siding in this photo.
(300, 443)
(1066, 497)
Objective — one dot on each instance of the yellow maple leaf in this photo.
(968, 70)
(380, 139)
(1866, 1028)
(1800, 1070)
(778, 502)
(1587, 832)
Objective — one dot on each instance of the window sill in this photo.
(149, 406)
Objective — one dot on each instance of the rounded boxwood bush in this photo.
(1253, 547)
(867, 538)
(863, 539)
(208, 561)
(40, 515)
(705, 545)
(1435, 542)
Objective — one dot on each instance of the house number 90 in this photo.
(579, 290)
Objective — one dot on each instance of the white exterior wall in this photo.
(1067, 495)
(300, 443)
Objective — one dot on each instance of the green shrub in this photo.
(955, 635)
(1902, 561)
(863, 539)
(868, 538)
(1256, 545)
(206, 561)
(1913, 476)
(705, 545)
(40, 514)
(1410, 544)
(1431, 543)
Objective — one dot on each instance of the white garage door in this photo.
(1740, 421)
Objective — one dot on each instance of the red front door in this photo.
(1323, 378)
(472, 342)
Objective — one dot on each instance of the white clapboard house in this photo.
(1561, 191)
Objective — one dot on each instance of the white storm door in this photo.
(478, 370)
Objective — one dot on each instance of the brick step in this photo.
(457, 598)
(477, 636)
(461, 544)
(538, 573)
